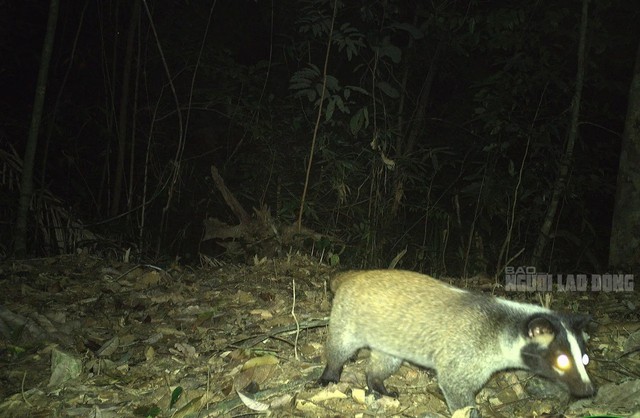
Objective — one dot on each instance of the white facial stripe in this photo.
(577, 356)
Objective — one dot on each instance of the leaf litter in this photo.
(82, 336)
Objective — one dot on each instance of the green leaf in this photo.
(311, 95)
(175, 396)
(388, 89)
(407, 27)
(148, 411)
(359, 120)
(359, 90)
(331, 106)
(356, 122)
(332, 83)
(391, 51)
(298, 86)
(303, 78)
(340, 104)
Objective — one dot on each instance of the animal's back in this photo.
(408, 314)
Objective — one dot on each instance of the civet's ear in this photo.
(541, 330)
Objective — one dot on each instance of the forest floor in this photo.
(82, 336)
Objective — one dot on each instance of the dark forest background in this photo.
(443, 128)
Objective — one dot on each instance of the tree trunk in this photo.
(26, 182)
(565, 163)
(123, 115)
(624, 250)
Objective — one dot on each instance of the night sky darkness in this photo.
(503, 72)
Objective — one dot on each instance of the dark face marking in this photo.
(556, 350)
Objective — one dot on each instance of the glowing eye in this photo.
(585, 359)
(563, 362)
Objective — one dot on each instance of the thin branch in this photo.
(315, 129)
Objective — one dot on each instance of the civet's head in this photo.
(555, 348)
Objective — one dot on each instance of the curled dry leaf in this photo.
(264, 314)
(327, 394)
(282, 401)
(252, 403)
(265, 360)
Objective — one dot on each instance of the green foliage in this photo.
(175, 396)
(148, 411)
(445, 177)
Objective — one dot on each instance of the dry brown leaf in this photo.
(327, 394)
(149, 353)
(463, 413)
(109, 347)
(245, 297)
(264, 314)
(260, 361)
(359, 395)
(147, 280)
(258, 375)
(281, 401)
(309, 407)
(184, 349)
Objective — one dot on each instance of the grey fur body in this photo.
(465, 337)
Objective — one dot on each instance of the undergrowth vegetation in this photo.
(432, 132)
